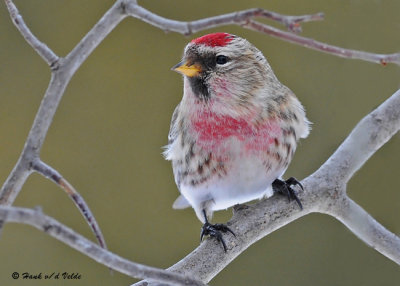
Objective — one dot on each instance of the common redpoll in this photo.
(235, 131)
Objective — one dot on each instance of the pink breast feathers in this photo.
(214, 130)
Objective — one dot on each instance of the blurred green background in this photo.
(114, 118)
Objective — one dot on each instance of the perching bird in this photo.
(235, 131)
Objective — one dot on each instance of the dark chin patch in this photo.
(199, 87)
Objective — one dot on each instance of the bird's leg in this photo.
(285, 188)
(214, 230)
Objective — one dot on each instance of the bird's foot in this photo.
(214, 230)
(285, 188)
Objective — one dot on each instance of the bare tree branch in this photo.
(245, 19)
(47, 54)
(67, 67)
(235, 18)
(51, 174)
(367, 228)
(369, 135)
(60, 78)
(66, 235)
(325, 189)
(323, 47)
(94, 37)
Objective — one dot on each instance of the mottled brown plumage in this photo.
(235, 130)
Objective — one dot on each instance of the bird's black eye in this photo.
(221, 59)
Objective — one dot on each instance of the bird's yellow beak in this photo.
(187, 70)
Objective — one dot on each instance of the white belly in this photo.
(246, 179)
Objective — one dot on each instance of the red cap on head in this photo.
(214, 40)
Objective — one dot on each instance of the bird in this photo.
(234, 132)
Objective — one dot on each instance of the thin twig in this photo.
(292, 23)
(244, 19)
(236, 18)
(66, 235)
(42, 49)
(323, 47)
(95, 36)
(51, 174)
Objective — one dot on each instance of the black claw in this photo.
(227, 229)
(284, 188)
(293, 181)
(214, 230)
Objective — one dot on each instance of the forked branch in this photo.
(122, 8)
(42, 49)
(325, 189)
(51, 174)
(60, 78)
